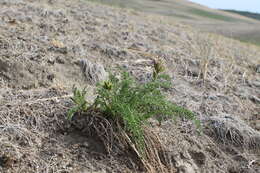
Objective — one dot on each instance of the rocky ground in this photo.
(42, 46)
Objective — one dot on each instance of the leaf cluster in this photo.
(79, 100)
(127, 103)
(132, 103)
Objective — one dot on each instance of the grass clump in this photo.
(128, 105)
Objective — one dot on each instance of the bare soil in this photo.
(41, 45)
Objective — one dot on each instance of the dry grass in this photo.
(35, 135)
(231, 131)
(118, 142)
(201, 17)
(33, 138)
(23, 130)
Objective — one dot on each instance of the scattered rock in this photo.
(51, 61)
(93, 72)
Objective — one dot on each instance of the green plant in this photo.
(79, 101)
(130, 104)
(127, 105)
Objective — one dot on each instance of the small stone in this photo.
(51, 61)
(86, 144)
(93, 73)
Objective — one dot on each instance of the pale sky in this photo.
(244, 5)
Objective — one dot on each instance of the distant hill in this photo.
(181, 9)
(245, 13)
(235, 24)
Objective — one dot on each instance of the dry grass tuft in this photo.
(233, 131)
(119, 142)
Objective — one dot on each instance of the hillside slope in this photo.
(245, 13)
(42, 43)
(206, 19)
(181, 9)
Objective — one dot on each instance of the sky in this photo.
(244, 5)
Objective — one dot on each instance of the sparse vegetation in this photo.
(235, 27)
(246, 13)
(212, 15)
(128, 105)
(36, 77)
(79, 100)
